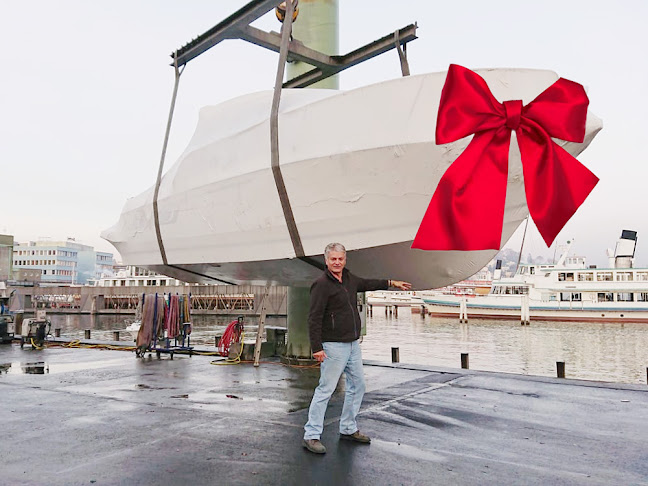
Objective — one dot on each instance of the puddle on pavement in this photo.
(41, 367)
(35, 368)
(410, 451)
(142, 386)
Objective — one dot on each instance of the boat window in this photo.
(605, 297)
(519, 290)
(625, 297)
(547, 274)
(576, 297)
(532, 270)
(642, 297)
(565, 296)
(624, 276)
(642, 275)
(561, 277)
(585, 277)
(604, 276)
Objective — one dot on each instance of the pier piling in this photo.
(57, 332)
(115, 335)
(464, 361)
(525, 311)
(395, 355)
(87, 333)
(396, 311)
(560, 368)
(463, 310)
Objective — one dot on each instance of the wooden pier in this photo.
(205, 299)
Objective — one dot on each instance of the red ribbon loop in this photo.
(467, 209)
(513, 113)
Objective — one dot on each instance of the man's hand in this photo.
(399, 284)
(320, 356)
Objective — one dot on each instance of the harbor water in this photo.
(613, 352)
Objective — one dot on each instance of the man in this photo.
(334, 325)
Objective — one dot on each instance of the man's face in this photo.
(336, 261)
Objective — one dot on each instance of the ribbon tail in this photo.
(556, 183)
(467, 209)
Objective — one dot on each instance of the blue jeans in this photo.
(341, 357)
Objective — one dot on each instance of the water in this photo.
(611, 352)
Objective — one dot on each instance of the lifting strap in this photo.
(156, 217)
(286, 34)
(402, 55)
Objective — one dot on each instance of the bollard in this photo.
(115, 335)
(57, 332)
(395, 355)
(396, 311)
(87, 333)
(386, 309)
(216, 340)
(371, 311)
(560, 368)
(464, 361)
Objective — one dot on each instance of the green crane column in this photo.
(298, 344)
(317, 27)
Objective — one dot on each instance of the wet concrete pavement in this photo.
(80, 416)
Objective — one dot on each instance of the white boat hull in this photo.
(509, 308)
(360, 168)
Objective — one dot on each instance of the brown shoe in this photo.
(356, 437)
(314, 445)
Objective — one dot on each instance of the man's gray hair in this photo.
(333, 247)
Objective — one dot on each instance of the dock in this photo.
(205, 299)
(104, 417)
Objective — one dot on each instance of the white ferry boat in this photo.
(569, 290)
(393, 298)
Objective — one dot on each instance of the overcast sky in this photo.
(86, 85)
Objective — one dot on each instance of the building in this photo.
(62, 262)
(130, 276)
(6, 257)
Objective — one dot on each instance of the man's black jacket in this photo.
(333, 314)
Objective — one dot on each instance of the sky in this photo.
(85, 90)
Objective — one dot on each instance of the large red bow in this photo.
(467, 209)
